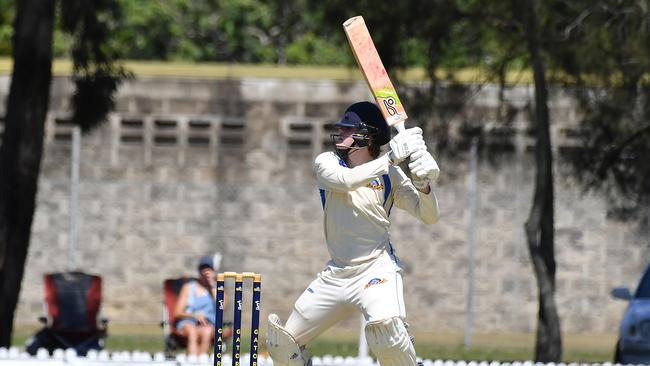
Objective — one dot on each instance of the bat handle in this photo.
(399, 127)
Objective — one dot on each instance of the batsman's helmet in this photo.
(370, 123)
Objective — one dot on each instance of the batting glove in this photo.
(424, 167)
(405, 144)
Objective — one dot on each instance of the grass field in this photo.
(470, 75)
(344, 342)
(63, 67)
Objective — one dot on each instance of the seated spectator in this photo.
(195, 309)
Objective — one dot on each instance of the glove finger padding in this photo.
(419, 172)
(425, 167)
(405, 143)
(419, 161)
(412, 131)
(417, 155)
(414, 144)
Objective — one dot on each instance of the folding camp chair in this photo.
(72, 305)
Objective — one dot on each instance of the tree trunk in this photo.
(22, 148)
(539, 226)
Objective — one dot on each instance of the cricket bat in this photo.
(374, 72)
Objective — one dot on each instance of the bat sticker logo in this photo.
(389, 100)
(389, 104)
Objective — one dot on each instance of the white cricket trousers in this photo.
(374, 289)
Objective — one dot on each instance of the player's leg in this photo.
(309, 324)
(317, 309)
(205, 335)
(379, 292)
(188, 328)
(380, 298)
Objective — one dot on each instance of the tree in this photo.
(96, 78)
(601, 51)
(22, 147)
(540, 223)
(605, 50)
(518, 28)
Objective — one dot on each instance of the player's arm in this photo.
(331, 175)
(419, 204)
(181, 304)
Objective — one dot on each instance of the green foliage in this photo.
(245, 27)
(246, 31)
(96, 74)
(7, 15)
(84, 31)
(148, 29)
(606, 43)
(313, 50)
(587, 42)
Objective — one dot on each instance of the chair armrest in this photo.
(104, 322)
(164, 323)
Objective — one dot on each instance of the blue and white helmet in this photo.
(370, 123)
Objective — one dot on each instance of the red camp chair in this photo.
(173, 339)
(71, 320)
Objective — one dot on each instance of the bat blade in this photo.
(373, 70)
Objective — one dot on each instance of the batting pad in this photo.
(282, 346)
(390, 342)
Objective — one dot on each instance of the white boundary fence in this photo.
(14, 356)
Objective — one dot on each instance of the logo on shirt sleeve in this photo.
(376, 185)
(375, 281)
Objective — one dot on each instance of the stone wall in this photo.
(187, 167)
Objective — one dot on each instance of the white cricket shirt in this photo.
(358, 201)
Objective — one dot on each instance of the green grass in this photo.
(146, 338)
(469, 75)
(21, 333)
(63, 67)
(343, 342)
(511, 347)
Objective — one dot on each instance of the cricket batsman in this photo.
(358, 189)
